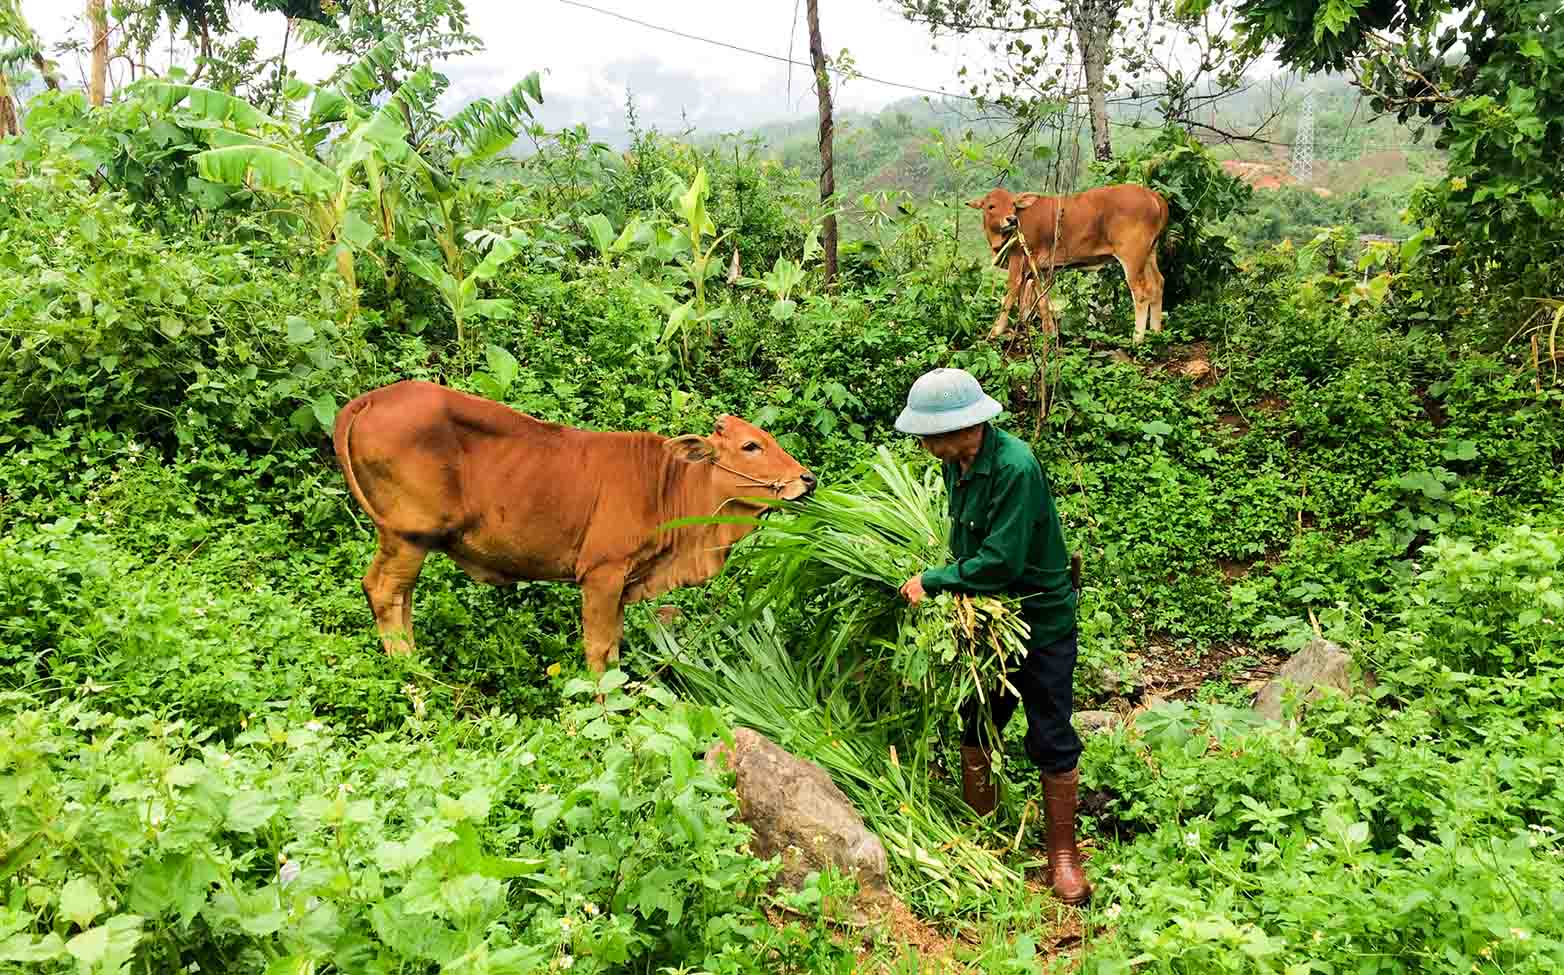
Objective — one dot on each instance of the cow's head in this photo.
(747, 461)
(1001, 212)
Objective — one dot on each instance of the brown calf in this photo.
(1122, 222)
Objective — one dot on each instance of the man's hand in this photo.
(912, 589)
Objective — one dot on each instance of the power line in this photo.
(761, 54)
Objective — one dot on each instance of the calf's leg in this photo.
(1154, 277)
(389, 587)
(602, 616)
(1135, 277)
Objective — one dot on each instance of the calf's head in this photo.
(747, 461)
(1001, 211)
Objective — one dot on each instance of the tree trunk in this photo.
(98, 19)
(827, 175)
(1093, 23)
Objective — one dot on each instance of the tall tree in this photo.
(827, 174)
(98, 23)
(1042, 53)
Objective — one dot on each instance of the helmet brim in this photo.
(924, 423)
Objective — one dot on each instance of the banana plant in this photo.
(689, 202)
(460, 294)
(608, 245)
(344, 191)
(779, 282)
(476, 134)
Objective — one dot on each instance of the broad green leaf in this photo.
(271, 168)
(782, 309)
(502, 364)
(677, 318)
(179, 882)
(80, 902)
(493, 307)
(330, 105)
(473, 804)
(300, 331)
(24, 947)
(206, 107)
(602, 233)
(368, 74)
(628, 236)
(109, 945)
(324, 407)
(503, 249)
(547, 811)
(356, 230)
(425, 269)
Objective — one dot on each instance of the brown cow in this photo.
(509, 497)
(1122, 222)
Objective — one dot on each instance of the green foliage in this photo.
(1498, 108)
(596, 841)
(1416, 839)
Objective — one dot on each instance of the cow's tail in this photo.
(1165, 241)
(341, 439)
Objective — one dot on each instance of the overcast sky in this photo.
(589, 59)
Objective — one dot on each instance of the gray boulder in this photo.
(1091, 721)
(1318, 668)
(796, 812)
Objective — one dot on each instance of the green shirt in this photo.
(1006, 536)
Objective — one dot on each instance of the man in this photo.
(1007, 540)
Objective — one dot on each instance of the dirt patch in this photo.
(1432, 408)
(1235, 425)
(1172, 674)
(1233, 570)
(1271, 403)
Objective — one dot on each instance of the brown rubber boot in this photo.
(977, 780)
(1065, 875)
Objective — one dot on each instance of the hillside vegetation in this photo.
(208, 764)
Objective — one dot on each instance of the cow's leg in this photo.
(1013, 284)
(1003, 321)
(602, 616)
(389, 587)
(1155, 280)
(1136, 279)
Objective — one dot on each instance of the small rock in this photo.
(797, 812)
(1196, 369)
(1092, 721)
(1317, 668)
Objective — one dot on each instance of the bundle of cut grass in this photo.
(935, 864)
(863, 684)
(840, 561)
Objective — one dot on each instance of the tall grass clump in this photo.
(824, 656)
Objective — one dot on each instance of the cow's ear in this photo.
(692, 448)
(1025, 200)
(976, 204)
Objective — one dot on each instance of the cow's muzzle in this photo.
(1009, 224)
(808, 481)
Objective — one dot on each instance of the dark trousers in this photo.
(1046, 680)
